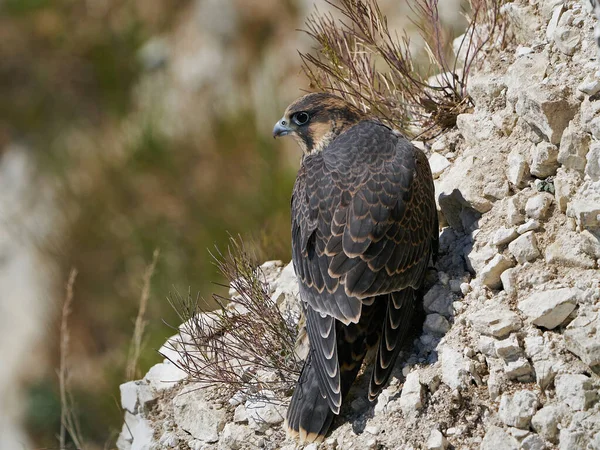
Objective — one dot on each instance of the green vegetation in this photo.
(125, 188)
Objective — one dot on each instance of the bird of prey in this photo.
(364, 229)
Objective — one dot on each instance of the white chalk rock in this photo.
(195, 414)
(413, 393)
(516, 410)
(524, 248)
(550, 308)
(576, 390)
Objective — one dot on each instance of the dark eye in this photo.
(301, 118)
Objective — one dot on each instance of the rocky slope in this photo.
(509, 357)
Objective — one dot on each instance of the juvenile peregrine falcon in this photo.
(364, 229)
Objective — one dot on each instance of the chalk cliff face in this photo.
(510, 351)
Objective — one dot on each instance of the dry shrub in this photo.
(359, 58)
(247, 343)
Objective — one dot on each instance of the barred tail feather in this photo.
(404, 319)
(309, 416)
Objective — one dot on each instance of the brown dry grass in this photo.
(140, 322)
(359, 58)
(68, 420)
(246, 334)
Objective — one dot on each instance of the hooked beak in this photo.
(281, 129)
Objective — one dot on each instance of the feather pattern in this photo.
(376, 213)
(364, 229)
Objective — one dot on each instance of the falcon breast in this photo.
(364, 230)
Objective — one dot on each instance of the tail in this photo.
(308, 416)
(403, 321)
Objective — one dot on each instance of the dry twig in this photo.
(68, 421)
(247, 334)
(140, 323)
(362, 60)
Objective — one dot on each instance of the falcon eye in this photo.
(301, 118)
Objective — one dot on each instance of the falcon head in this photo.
(316, 119)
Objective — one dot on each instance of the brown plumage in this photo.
(364, 229)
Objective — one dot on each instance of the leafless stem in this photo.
(140, 323)
(362, 60)
(68, 422)
(245, 335)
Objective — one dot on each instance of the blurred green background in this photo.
(127, 126)
(141, 118)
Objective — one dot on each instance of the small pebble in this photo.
(530, 225)
(465, 288)
(522, 51)
(372, 429)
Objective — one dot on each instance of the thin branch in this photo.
(68, 422)
(140, 323)
(246, 335)
(359, 58)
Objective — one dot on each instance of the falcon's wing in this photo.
(364, 221)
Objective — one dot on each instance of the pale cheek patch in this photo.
(322, 142)
(321, 134)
